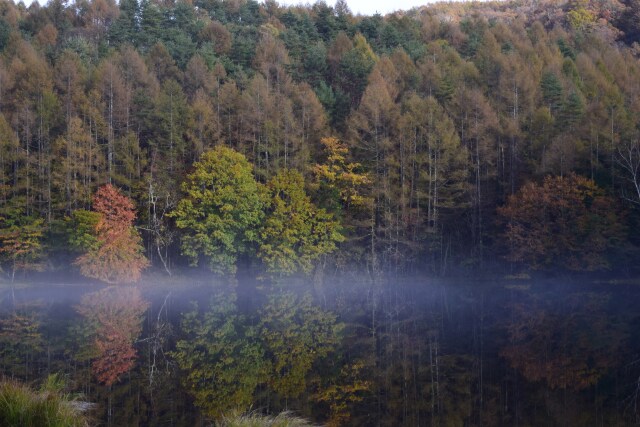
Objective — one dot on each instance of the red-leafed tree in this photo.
(116, 316)
(567, 222)
(117, 255)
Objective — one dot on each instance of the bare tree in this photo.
(629, 160)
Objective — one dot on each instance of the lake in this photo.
(411, 352)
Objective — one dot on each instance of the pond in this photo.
(413, 352)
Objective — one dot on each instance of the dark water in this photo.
(411, 352)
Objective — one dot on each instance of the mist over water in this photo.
(401, 352)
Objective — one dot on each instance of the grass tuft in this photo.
(254, 419)
(49, 407)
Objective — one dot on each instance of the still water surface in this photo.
(411, 352)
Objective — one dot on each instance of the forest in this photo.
(452, 138)
(424, 218)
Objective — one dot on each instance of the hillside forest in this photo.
(457, 137)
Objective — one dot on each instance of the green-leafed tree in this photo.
(295, 232)
(81, 228)
(221, 210)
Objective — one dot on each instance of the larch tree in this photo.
(110, 86)
(439, 171)
(372, 128)
(173, 114)
(11, 159)
(117, 257)
(477, 125)
(218, 35)
(74, 177)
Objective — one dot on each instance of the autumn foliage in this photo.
(116, 315)
(410, 129)
(117, 257)
(565, 222)
(21, 244)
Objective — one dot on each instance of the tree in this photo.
(372, 127)
(572, 111)
(339, 183)
(428, 188)
(21, 242)
(552, 91)
(477, 123)
(295, 232)
(11, 180)
(355, 66)
(221, 210)
(343, 189)
(580, 18)
(125, 28)
(218, 35)
(565, 222)
(110, 85)
(117, 256)
(629, 160)
(81, 228)
(75, 175)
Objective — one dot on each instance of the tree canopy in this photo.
(114, 255)
(221, 211)
(410, 130)
(565, 222)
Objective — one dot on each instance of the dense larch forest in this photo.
(457, 137)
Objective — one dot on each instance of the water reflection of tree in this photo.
(342, 391)
(115, 317)
(568, 343)
(222, 362)
(295, 334)
(266, 358)
(21, 341)
(418, 376)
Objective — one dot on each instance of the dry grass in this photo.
(254, 419)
